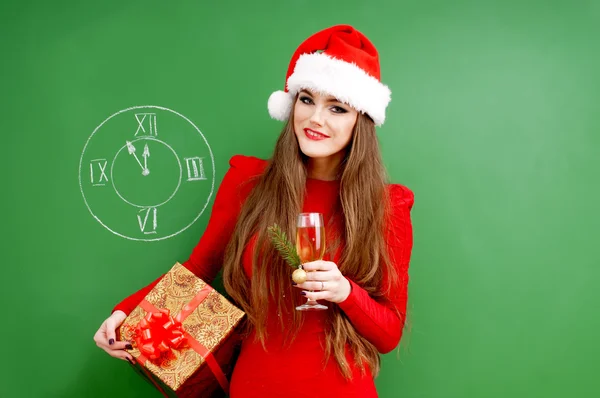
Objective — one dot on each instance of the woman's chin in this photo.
(315, 151)
(316, 154)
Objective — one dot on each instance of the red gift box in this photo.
(183, 336)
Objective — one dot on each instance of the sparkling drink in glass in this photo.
(310, 245)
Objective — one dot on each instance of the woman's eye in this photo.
(306, 100)
(338, 109)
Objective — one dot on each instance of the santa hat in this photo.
(338, 61)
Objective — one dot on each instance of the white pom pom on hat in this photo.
(280, 105)
(339, 61)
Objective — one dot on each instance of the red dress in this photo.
(298, 370)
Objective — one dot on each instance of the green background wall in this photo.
(494, 124)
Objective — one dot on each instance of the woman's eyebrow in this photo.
(327, 99)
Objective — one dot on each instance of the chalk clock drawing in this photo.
(146, 173)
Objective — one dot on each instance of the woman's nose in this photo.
(317, 116)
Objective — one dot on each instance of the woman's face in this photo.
(323, 125)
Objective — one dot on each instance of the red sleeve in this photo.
(380, 323)
(207, 257)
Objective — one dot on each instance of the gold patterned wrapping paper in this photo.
(210, 324)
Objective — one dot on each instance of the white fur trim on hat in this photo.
(280, 105)
(346, 81)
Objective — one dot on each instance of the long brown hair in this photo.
(277, 198)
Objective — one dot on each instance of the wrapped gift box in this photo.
(183, 336)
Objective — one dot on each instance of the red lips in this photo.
(314, 135)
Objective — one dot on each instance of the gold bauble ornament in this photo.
(299, 276)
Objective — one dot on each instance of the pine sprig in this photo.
(284, 246)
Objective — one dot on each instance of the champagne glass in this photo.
(310, 245)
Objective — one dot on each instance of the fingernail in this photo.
(111, 341)
(129, 347)
(303, 293)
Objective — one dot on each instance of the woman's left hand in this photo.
(326, 282)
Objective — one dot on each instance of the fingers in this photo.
(335, 289)
(312, 286)
(121, 354)
(117, 350)
(111, 337)
(111, 327)
(100, 337)
(319, 266)
(121, 345)
(331, 275)
(105, 338)
(112, 323)
(107, 345)
(321, 276)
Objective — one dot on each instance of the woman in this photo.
(326, 160)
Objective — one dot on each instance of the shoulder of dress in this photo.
(248, 166)
(400, 195)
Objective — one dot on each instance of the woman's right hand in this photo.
(105, 337)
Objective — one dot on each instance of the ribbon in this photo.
(158, 334)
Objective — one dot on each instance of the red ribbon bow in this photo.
(157, 333)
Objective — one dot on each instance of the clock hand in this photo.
(131, 150)
(146, 155)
